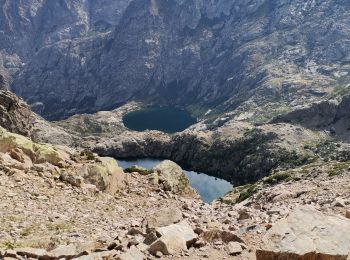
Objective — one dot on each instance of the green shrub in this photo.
(88, 154)
(247, 192)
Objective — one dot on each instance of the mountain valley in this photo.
(254, 93)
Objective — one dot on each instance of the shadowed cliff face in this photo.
(255, 58)
(3, 83)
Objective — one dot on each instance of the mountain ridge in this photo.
(252, 60)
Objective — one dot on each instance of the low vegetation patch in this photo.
(246, 192)
(338, 169)
(278, 177)
(9, 244)
(89, 155)
(138, 170)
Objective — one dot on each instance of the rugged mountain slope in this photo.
(256, 58)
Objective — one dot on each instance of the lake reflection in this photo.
(208, 187)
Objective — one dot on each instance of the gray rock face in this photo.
(68, 57)
(15, 115)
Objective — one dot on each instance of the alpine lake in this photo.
(172, 120)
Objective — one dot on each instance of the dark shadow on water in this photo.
(209, 188)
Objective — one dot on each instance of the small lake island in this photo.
(165, 119)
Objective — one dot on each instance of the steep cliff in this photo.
(256, 59)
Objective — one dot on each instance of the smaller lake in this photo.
(165, 119)
(209, 188)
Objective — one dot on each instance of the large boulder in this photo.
(105, 174)
(173, 239)
(163, 217)
(307, 234)
(173, 178)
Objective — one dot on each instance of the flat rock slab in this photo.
(234, 248)
(307, 234)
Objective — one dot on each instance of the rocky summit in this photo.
(266, 84)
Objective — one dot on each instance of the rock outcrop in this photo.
(19, 152)
(237, 152)
(15, 114)
(330, 116)
(3, 81)
(307, 234)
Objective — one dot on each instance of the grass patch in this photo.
(338, 169)
(246, 192)
(333, 172)
(277, 177)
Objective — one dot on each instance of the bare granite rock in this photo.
(173, 239)
(307, 234)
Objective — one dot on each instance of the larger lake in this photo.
(165, 119)
(209, 188)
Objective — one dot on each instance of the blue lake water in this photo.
(208, 187)
(165, 119)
